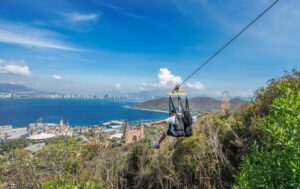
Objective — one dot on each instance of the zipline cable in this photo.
(228, 43)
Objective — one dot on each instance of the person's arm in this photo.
(176, 88)
(200, 115)
(197, 116)
(157, 123)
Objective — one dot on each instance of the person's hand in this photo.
(200, 115)
(176, 88)
(147, 124)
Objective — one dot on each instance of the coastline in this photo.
(150, 110)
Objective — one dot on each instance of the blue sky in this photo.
(131, 46)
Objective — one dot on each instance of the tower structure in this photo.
(131, 134)
(225, 106)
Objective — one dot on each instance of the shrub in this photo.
(12, 144)
(275, 163)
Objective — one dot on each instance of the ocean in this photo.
(77, 112)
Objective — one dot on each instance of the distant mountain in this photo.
(21, 91)
(204, 104)
(236, 102)
(197, 104)
(15, 88)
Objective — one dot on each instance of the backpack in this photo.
(183, 126)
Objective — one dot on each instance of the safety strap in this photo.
(187, 107)
(181, 105)
(171, 105)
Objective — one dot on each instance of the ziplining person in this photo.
(179, 123)
(171, 121)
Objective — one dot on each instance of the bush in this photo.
(275, 163)
(12, 144)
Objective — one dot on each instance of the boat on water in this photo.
(114, 124)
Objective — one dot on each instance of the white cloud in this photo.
(196, 85)
(118, 85)
(144, 86)
(57, 77)
(168, 80)
(78, 17)
(15, 69)
(165, 77)
(21, 34)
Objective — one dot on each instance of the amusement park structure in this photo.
(225, 106)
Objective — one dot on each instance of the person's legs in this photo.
(161, 138)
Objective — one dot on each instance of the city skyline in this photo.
(120, 46)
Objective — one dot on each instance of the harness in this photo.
(183, 126)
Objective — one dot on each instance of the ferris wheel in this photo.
(225, 106)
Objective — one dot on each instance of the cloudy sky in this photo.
(130, 46)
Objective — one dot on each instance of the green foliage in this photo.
(12, 144)
(60, 157)
(65, 184)
(61, 139)
(134, 160)
(90, 151)
(245, 123)
(89, 134)
(18, 169)
(275, 163)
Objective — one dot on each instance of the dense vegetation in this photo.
(255, 146)
(275, 162)
(12, 144)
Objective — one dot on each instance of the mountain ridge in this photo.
(15, 88)
(197, 104)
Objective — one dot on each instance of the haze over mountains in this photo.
(197, 104)
(14, 88)
(21, 91)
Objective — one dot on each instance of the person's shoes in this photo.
(156, 146)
